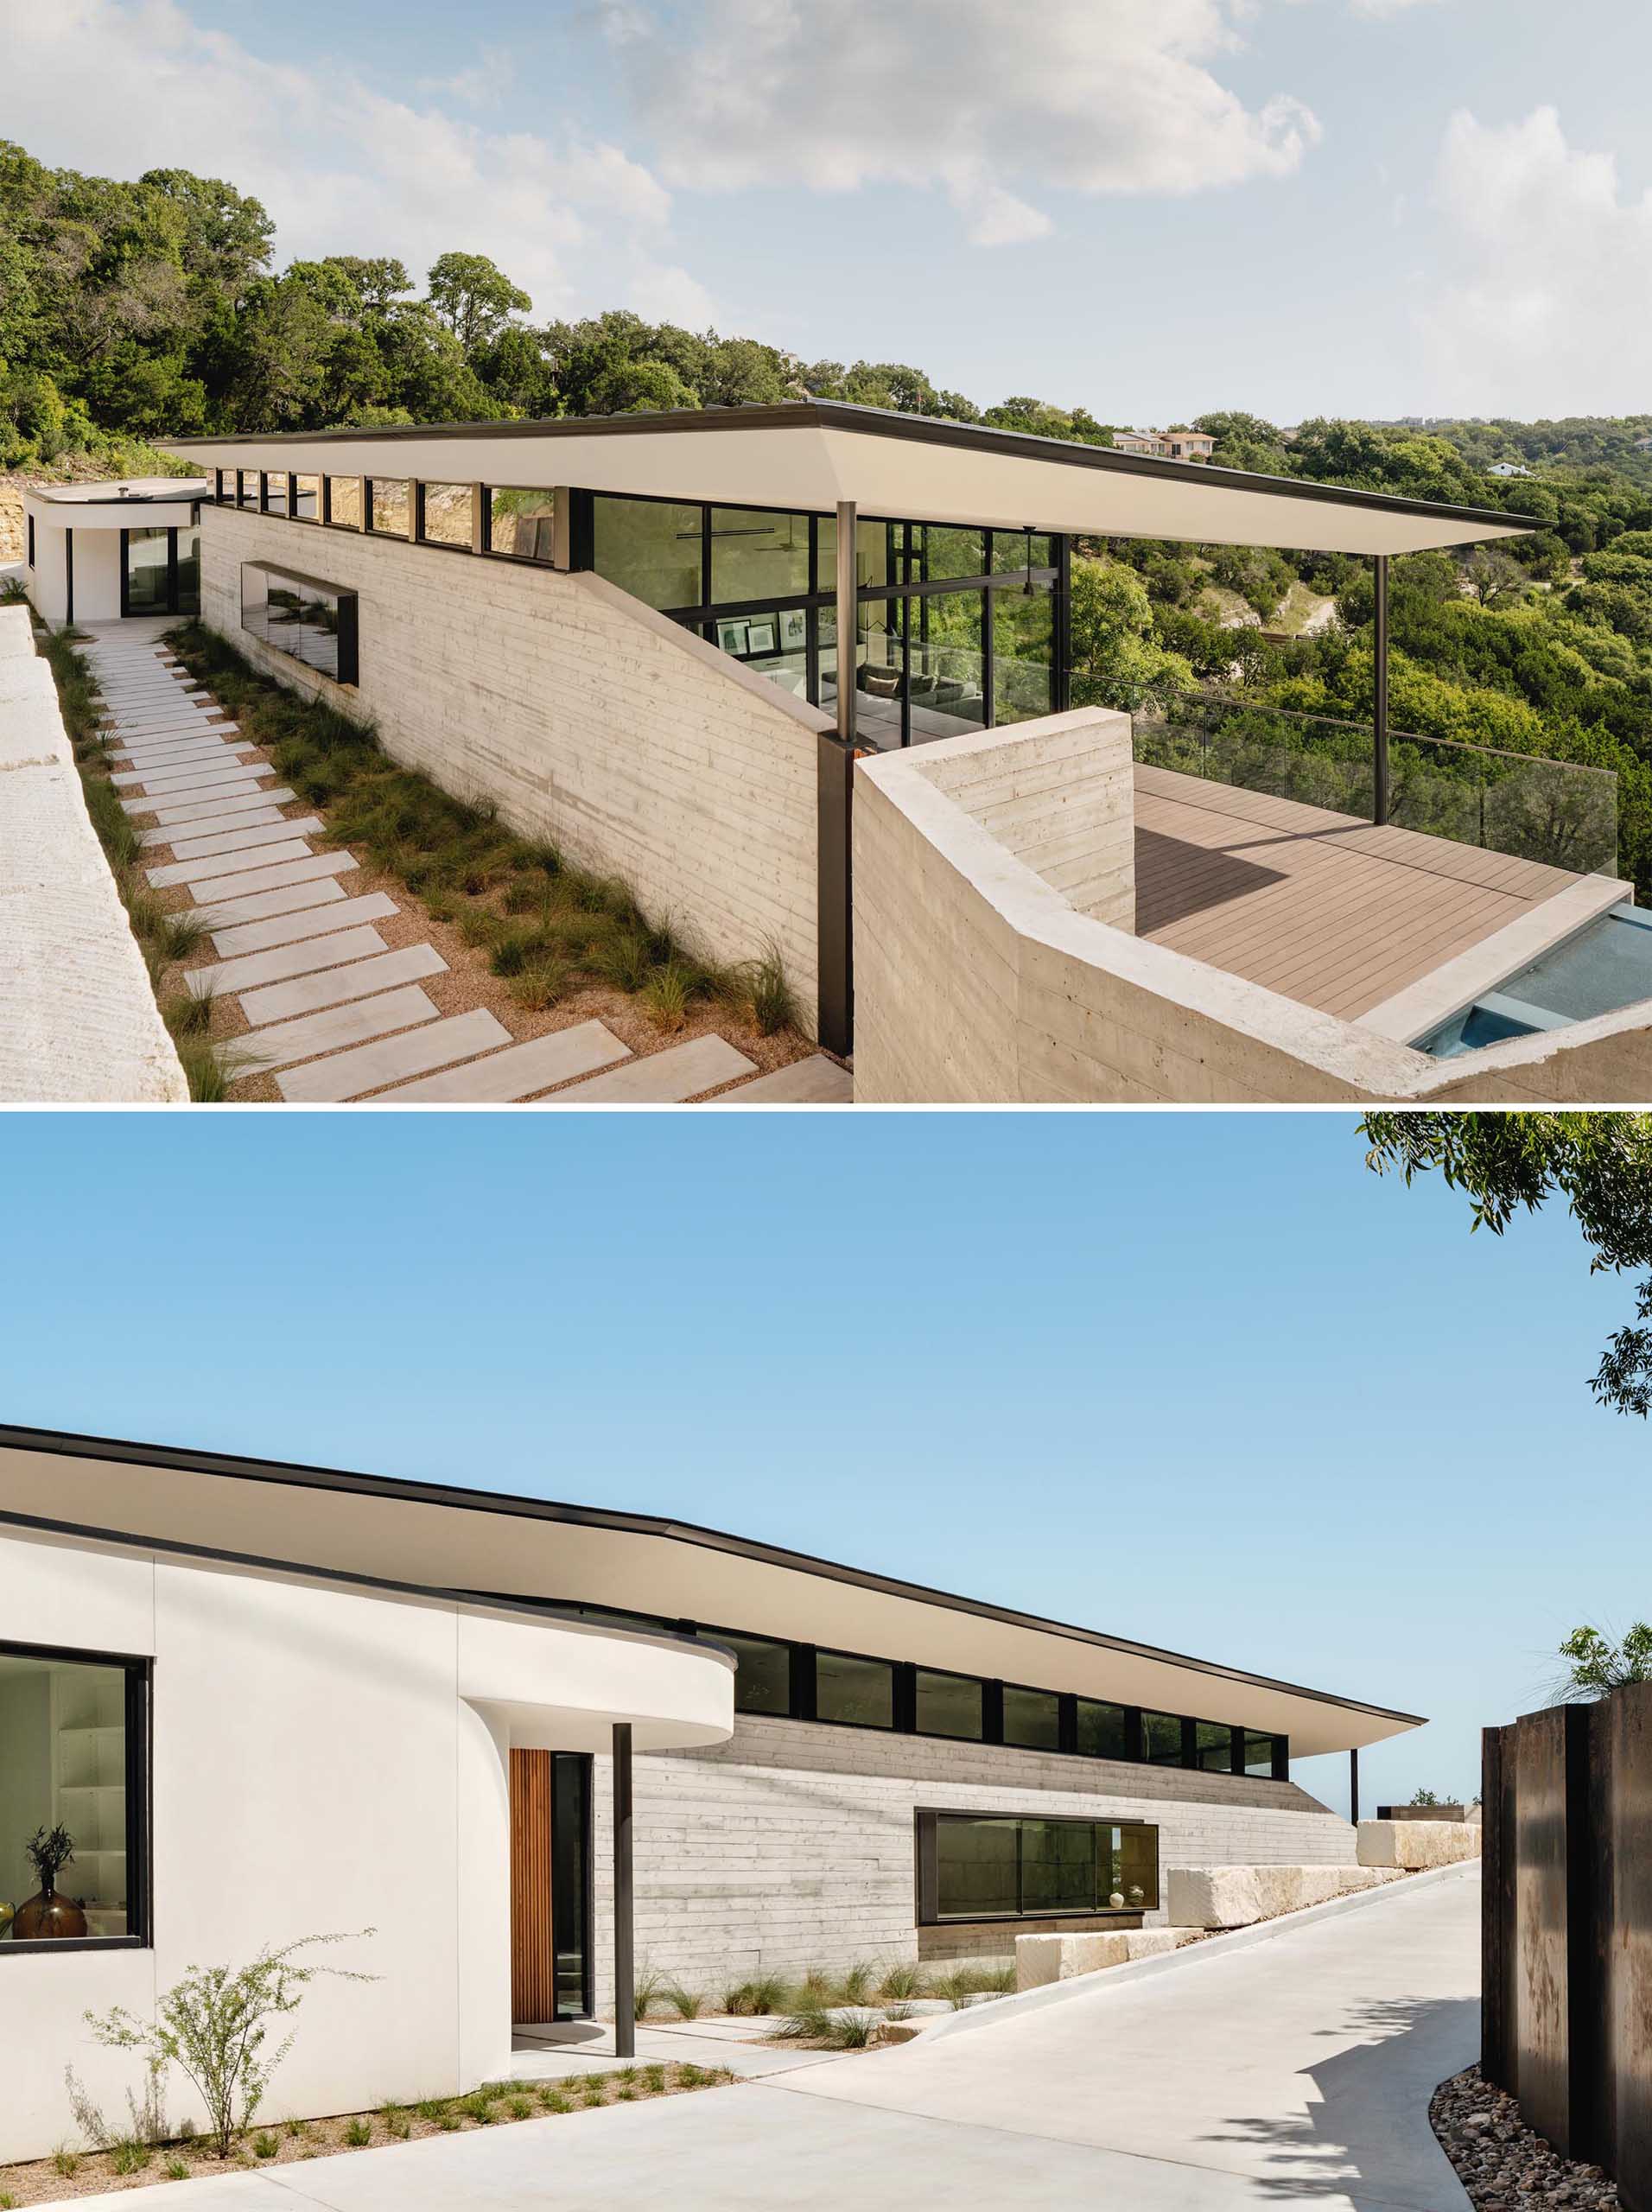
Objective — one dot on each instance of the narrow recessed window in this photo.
(31, 541)
(344, 501)
(1161, 1739)
(763, 1681)
(1105, 1730)
(276, 488)
(73, 1810)
(1032, 1719)
(522, 523)
(448, 514)
(859, 1691)
(389, 506)
(1214, 1747)
(948, 1705)
(307, 499)
(302, 617)
(1260, 1755)
(251, 488)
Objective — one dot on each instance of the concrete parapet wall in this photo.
(78, 1017)
(979, 981)
(581, 714)
(1413, 1845)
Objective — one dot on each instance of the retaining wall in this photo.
(78, 1017)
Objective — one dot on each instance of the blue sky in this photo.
(1197, 1379)
(1150, 207)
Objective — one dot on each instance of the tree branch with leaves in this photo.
(1599, 1163)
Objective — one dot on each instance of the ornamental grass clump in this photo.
(214, 2025)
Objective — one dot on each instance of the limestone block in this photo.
(1410, 1845)
(1040, 1959)
(1234, 1897)
(1153, 1943)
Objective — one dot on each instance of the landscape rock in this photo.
(1412, 1846)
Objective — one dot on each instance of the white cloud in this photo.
(995, 104)
(1386, 7)
(1545, 302)
(118, 86)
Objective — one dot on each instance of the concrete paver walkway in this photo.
(182, 766)
(1292, 2070)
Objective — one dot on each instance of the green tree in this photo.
(1116, 659)
(1599, 1163)
(473, 297)
(1596, 1665)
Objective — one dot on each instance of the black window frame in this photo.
(950, 1735)
(926, 1819)
(348, 633)
(899, 1723)
(138, 1716)
(29, 556)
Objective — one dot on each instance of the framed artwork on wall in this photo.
(794, 630)
(759, 636)
(731, 636)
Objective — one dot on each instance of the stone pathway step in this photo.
(361, 979)
(221, 913)
(230, 864)
(198, 810)
(214, 784)
(216, 738)
(282, 960)
(680, 1072)
(346, 1075)
(189, 756)
(255, 817)
(814, 1082)
(241, 837)
(175, 779)
(314, 921)
(519, 1072)
(279, 878)
(285, 1042)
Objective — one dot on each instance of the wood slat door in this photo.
(533, 1951)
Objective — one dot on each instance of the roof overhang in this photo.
(810, 454)
(483, 1543)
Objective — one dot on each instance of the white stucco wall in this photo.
(315, 1769)
(792, 1844)
(580, 715)
(78, 1018)
(976, 980)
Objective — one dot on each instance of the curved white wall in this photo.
(316, 1768)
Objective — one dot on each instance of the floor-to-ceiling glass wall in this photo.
(955, 628)
(147, 567)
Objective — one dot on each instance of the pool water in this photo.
(1604, 966)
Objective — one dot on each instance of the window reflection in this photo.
(389, 508)
(649, 548)
(1007, 1866)
(861, 1691)
(310, 621)
(448, 514)
(522, 523)
(307, 498)
(344, 501)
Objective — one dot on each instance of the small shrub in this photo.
(687, 2004)
(625, 2093)
(902, 1980)
(647, 1987)
(189, 1014)
(358, 2133)
(513, 948)
(625, 959)
(521, 897)
(520, 2107)
(553, 2099)
(856, 1984)
(177, 2170)
(769, 994)
(654, 2077)
(68, 2161)
(398, 2127)
(691, 2077)
(433, 2109)
(667, 992)
(129, 2157)
(447, 2120)
(264, 2145)
(541, 983)
(901, 2011)
(852, 2030)
(8, 2202)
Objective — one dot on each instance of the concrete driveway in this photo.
(1295, 2069)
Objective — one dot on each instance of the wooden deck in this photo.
(1323, 907)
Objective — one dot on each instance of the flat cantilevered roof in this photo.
(490, 1544)
(811, 454)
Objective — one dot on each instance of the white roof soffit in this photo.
(455, 1540)
(810, 454)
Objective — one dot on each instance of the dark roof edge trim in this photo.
(884, 423)
(66, 1444)
(472, 1601)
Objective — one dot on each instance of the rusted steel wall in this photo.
(1566, 1932)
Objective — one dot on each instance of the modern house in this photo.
(804, 676)
(101, 552)
(1166, 445)
(528, 1744)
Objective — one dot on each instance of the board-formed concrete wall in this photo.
(977, 981)
(583, 715)
(78, 1017)
(793, 1845)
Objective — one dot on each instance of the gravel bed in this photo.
(1502, 2165)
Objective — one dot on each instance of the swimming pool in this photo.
(1603, 968)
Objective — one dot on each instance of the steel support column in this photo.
(847, 620)
(1379, 698)
(625, 1978)
(1353, 1788)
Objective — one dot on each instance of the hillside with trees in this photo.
(134, 310)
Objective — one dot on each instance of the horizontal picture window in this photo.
(763, 1674)
(1001, 1866)
(948, 1705)
(1032, 1719)
(309, 621)
(860, 1692)
(448, 514)
(344, 501)
(387, 507)
(1161, 1739)
(522, 524)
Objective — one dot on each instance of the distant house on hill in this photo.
(1507, 468)
(1166, 445)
